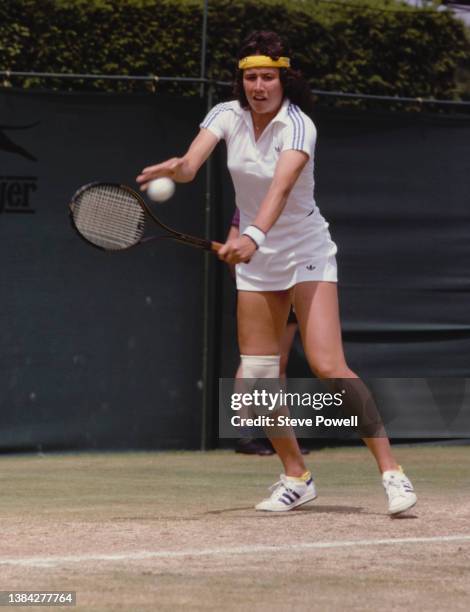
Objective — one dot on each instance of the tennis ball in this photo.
(161, 189)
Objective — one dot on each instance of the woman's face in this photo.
(263, 89)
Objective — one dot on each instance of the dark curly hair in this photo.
(294, 85)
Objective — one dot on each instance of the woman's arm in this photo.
(233, 234)
(288, 168)
(182, 169)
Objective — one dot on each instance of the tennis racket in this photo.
(112, 217)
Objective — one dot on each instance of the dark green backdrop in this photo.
(105, 351)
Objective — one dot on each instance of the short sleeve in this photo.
(217, 120)
(300, 133)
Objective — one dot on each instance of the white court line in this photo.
(209, 552)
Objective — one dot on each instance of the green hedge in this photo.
(405, 53)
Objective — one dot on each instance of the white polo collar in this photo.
(281, 116)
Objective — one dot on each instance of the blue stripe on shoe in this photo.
(309, 481)
(287, 496)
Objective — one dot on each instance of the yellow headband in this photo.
(263, 61)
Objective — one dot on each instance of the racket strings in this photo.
(109, 217)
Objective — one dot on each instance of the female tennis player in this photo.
(285, 254)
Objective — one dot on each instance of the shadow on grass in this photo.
(316, 509)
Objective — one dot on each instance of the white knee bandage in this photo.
(260, 366)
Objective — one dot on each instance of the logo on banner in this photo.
(15, 190)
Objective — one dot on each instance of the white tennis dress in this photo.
(298, 247)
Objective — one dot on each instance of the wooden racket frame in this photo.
(188, 239)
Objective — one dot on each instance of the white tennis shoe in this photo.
(287, 494)
(399, 490)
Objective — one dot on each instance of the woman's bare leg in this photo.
(316, 307)
(262, 318)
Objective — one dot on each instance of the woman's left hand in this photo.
(237, 250)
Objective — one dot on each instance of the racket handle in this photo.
(216, 246)
(199, 243)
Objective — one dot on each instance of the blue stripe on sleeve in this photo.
(214, 113)
(298, 122)
(294, 124)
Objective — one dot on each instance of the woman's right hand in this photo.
(171, 168)
(237, 250)
(181, 169)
